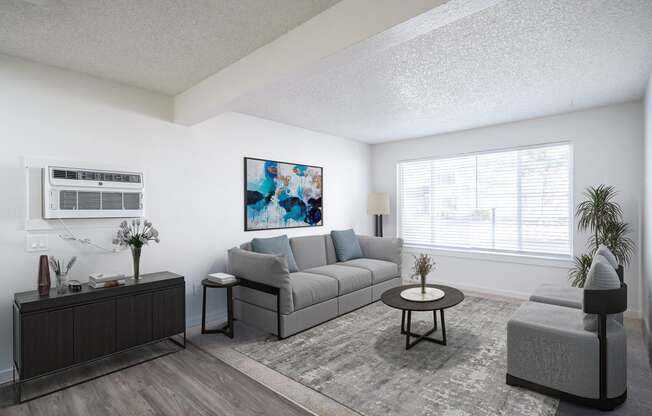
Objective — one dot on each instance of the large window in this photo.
(508, 201)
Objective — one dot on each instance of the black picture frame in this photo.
(244, 201)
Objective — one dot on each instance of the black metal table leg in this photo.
(403, 322)
(227, 329)
(443, 327)
(229, 305)
(434, 318)
(407, 331)
(203, 312)
(423, 337)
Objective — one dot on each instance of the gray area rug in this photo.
(360, 360)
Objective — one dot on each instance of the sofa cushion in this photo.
(309, 289)
(309, 251)
(381, 270)
(276, 245)
(349, 278)
(601, 276)
(347, 246)
(568, 296)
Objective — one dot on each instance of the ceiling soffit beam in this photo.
(346, 23)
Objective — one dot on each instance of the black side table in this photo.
(228, 328)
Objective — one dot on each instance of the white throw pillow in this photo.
(601, 276)
(607, 254)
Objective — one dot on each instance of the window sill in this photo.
(543, 261)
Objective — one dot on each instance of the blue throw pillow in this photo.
(347, 246)
(276, 245)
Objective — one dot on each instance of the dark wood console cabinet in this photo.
(53, 333)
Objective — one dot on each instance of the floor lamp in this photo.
(378, 205)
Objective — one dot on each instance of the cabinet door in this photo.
(134, 320)
(94, 330)
(47, 341)
(169, 315)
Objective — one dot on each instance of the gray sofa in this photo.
(283, 303)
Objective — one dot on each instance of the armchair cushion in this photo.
(568, 296)
(601, 276)
(607, 254)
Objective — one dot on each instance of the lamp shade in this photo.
(378, 203)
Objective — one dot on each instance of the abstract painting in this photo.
(282, 195)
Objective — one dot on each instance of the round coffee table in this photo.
(392, 298)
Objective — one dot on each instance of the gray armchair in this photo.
(550, 351)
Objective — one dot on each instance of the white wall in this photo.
(608, 148)
(194, 177)
(646, 276)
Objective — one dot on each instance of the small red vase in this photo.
(43, 276)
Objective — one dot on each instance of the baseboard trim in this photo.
(6, 375)
(213, 316)
(486, 290)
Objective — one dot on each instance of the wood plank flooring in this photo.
(189, 382)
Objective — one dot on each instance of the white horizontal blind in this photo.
(509, 201)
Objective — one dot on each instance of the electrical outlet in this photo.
(37, 242)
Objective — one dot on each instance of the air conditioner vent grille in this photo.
(68, 200)
(88, 200)
(132, 200)
(59, 174)
(111, 200)
(88, 175)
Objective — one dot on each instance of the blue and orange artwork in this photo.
(282, 195)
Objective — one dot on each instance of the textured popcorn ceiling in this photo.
(515, 60)
(162, 45)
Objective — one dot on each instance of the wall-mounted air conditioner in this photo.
(70, 192)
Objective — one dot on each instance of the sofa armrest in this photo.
(267, 269)
(380, 248)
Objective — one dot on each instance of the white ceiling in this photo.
(161, 45)
(515, 60)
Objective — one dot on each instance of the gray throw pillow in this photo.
(607, 254)
(601, 276)
(347, 246)
(276, 245)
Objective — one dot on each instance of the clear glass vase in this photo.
(135, 254)
(62, 282)
(423, 283)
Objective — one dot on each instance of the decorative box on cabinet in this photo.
(56, 332)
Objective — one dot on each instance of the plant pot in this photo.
(135, 254)
(62, 282)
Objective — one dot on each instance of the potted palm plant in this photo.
(601, 215)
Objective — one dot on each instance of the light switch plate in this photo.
(37, 242)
